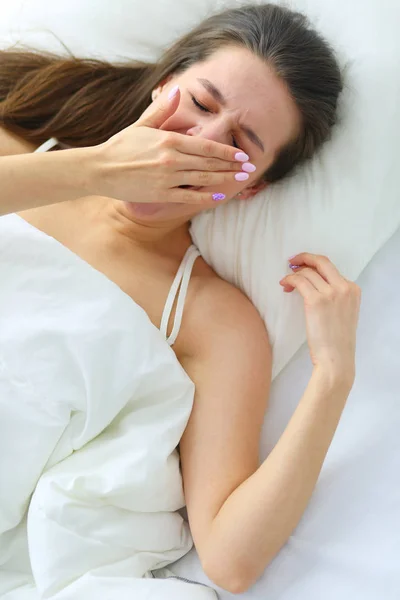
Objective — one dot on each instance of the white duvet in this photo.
(93, 403)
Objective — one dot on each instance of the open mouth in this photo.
(189, 187)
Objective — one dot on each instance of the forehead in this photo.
(254, 93)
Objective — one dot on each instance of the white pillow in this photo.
(344, 203)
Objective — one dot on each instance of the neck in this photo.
(165, 235)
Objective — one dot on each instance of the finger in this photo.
(302, 285)
(187, 196)
(189, 144)
(198, 163)
(204, 178)
(161, 109)
(321, 263)
(289, 288)
(314, 278)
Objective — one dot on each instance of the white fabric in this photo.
(347, 544)
(93, 403)
(48, 145)
(344, 204)
(182, 279)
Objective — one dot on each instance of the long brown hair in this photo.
(83, 102)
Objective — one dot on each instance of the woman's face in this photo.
(237, 92)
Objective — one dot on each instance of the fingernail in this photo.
(241, 176)
(218, 197)
(241, 156)
(294, 266)
(249, 167)
(291, 257)
(173, 92)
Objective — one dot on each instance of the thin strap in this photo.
(47, 145)
(182, 278)
(172, 293)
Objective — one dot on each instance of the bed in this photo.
(347, 544)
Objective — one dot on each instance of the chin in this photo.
(159, 211)
(144, 209)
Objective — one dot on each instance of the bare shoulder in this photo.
(13, 144)
(219, 314)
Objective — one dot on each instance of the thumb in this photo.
(160, 110)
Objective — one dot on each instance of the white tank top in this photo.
(180, 283)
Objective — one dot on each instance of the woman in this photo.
(237, 103)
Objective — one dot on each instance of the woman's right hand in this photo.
(143, 163)
(332, 305)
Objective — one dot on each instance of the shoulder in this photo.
(13, 144)
(219, 315)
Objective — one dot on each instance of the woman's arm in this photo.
(33, 180)
(258, 518)
(240, 513)
(141, 161)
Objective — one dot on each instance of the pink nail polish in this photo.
(241, 156)
(291, 257)
(173, 92)
(248, 167)
(218, 197)
(241, 176)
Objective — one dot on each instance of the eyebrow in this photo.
(216, 94)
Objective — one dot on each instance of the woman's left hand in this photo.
(331, 304)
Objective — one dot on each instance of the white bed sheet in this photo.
(347, 545)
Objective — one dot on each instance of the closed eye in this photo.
(204, 109)
(200, 106)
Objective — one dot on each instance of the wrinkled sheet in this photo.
(93, 403)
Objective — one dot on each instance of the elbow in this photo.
(233, 583)
(237, 587)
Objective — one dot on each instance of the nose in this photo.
(194, 130)
(214, 130)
